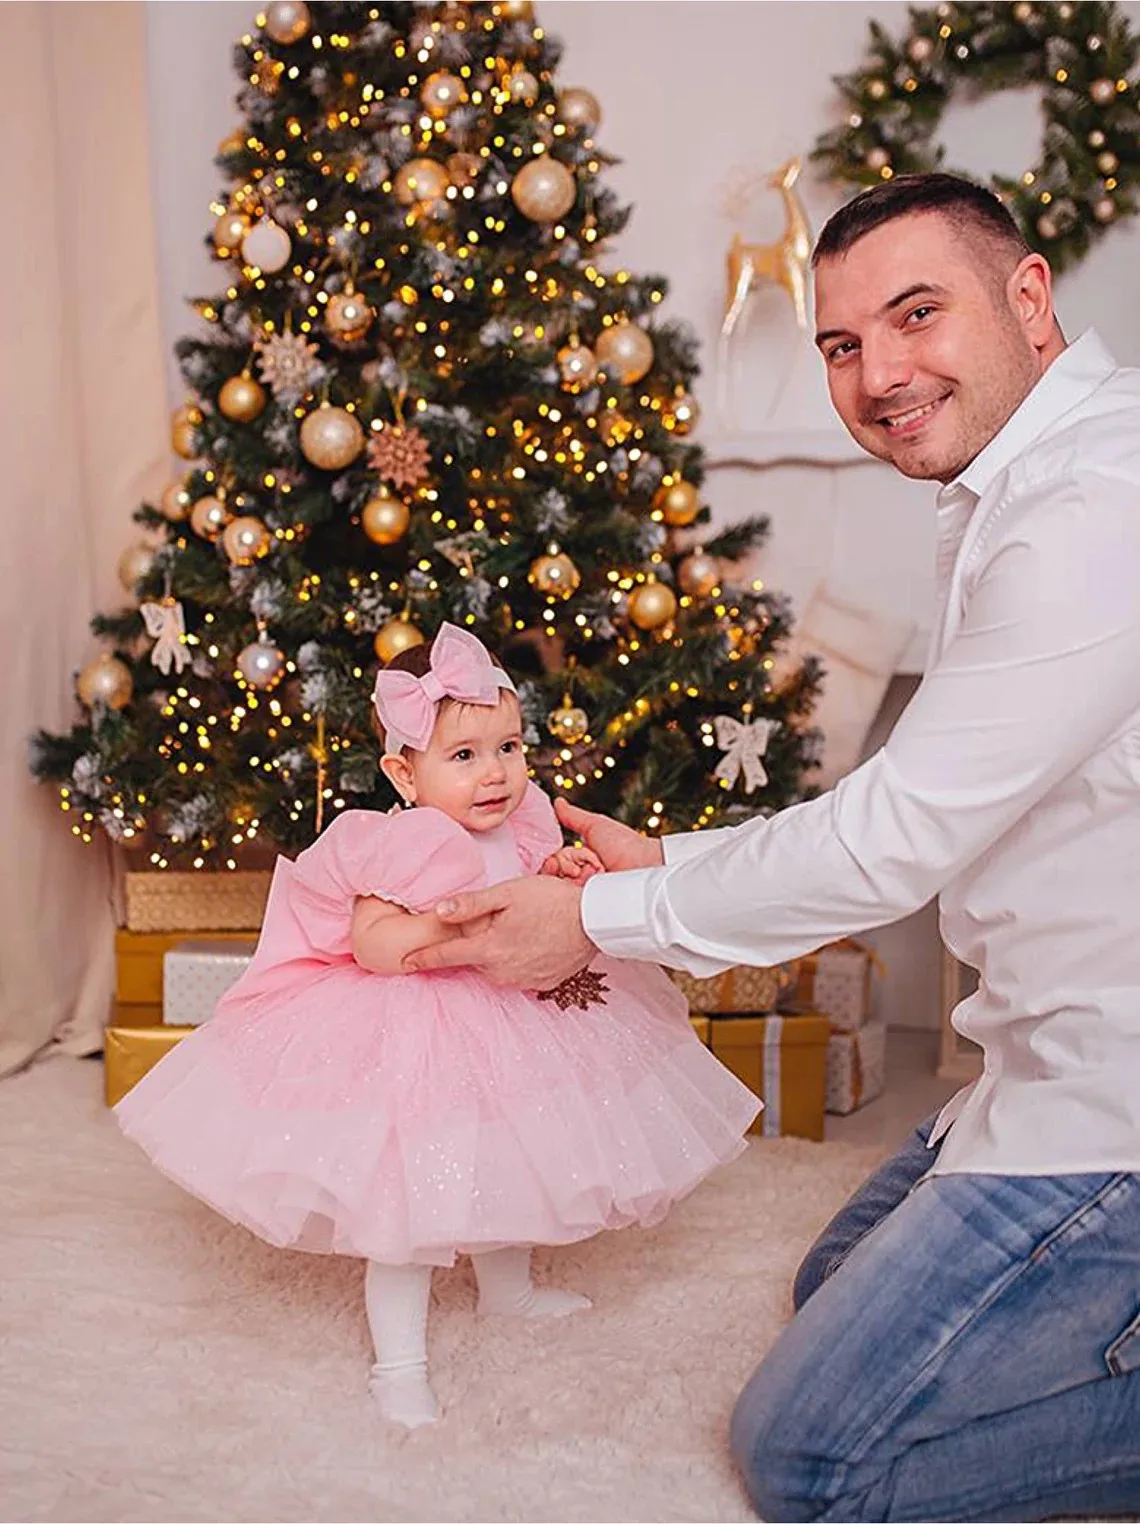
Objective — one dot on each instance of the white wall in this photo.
(696, 93)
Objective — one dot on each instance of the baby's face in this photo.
(474, 769)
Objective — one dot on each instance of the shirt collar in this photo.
(1073, 376)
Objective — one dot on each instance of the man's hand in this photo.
(578, 864)
(616, 845)
(533, 939)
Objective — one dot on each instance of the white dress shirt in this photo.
(1010, 788)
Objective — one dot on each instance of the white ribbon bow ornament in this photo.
(744, 745)
(166, 625)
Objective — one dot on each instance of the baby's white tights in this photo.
(396, 1297)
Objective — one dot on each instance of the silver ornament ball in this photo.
(267, 245)
(261, 663)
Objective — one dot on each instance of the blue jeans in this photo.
(964, 1347)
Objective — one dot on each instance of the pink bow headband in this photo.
(460, 669)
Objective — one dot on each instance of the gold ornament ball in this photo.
(1104, 210)
(679, 504)
(267, 245)
(1107, 163)
(544, 189)
(516, 10)
(348, 316)
(651, 605)
(568, 724)
(578, 365)
(698, 574)
(331, 438)
(396, 636)
(208, 517)
(1047, 227)
(385, 518)
(920, 49)
(287, 21)
(229, 232)
(420, 181)
(614, 428)
(878, 158)
(579, 110)
(1096, 138)
(261, 664)
(135, 563)
(1103, 91)
(176, 502)
(523, 87)
(441, 93)
(625, 351)
(242, 398)
(682, 413)
(554, 575)
(244, 540)
(184, 430)
(107, 680)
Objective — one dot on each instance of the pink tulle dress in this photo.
(408, 1118)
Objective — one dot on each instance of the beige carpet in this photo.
(158, 1364)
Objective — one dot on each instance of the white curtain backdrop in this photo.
(82, 440)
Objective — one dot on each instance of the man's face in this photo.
(926, 354)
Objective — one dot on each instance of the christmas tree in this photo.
(419, 396)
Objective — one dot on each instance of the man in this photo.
(967, 1339)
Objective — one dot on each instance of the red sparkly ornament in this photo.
(399, 455)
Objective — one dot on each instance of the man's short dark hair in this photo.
(971, 209)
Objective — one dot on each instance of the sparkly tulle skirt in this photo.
(411, 1118)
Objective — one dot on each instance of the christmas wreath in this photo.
(1084, 59)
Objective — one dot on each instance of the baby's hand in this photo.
(578, 864)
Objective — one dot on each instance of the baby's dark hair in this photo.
(417, 661)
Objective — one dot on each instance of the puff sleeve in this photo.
(412, 858)
(536, 828)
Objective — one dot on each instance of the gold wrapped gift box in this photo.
(208, 901)
(783, 1060)
(131, 1052)
(737, 991)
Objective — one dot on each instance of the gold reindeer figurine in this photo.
(785, 262)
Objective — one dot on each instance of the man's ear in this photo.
(398, 771)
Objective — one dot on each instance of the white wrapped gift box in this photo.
(195, 976)
(856, 1067)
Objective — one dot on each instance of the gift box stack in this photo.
(188, 977)
(187, 939)
(838, 982)
(783, 1059)
(802, 1036)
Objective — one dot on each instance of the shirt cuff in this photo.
(627, 915)
(684, 845)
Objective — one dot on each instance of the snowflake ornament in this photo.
(400, 456)
(288, 365)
